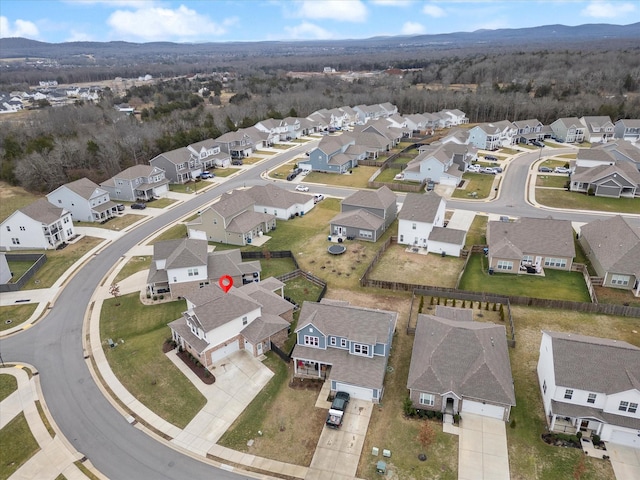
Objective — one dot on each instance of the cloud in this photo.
(433, 11)
(413, 28)
(607, 9)
(20, 28)
(339, 10)
(114, 3)
(77, 36)
(307, 31)
(155, 23)
(393, 3)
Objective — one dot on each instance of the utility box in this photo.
(381, 467)
(374, 451)
(386, 453)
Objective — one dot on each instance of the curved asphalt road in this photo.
(54, 345)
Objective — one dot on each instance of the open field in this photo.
(579, 201)
(13, 198)
(358, 178)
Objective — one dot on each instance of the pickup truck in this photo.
(336, 412)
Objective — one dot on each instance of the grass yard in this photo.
(529, 456)
(134, 265)
(226, 172)
(508, 151)
(274, 267)
(161, 203)
(398, 265)
(480, 183)
(300, 289)
(551, 181)
(177, 231)
(8, 385)
(616, 295)
(18, 268)
(556, 284)
(58, 261)
(139, 362)
(283, 170)
(14, 198)
(13, 315)
(580, 201)
(359, 177)
(17, 445)
(477, 234)
(254, 160)
(388, 176)
(554, 162)
(182, 187)
(116, 223)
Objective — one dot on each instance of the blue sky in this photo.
(254, 20)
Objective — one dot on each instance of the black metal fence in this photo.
(38, 260)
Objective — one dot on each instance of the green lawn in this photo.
(274, 267)
(359, 177)
(14, 198)
(225, 172)
(17, 445)
(116, 223)
(480, 183)
(58, 261)
(553, 181)
(16, 313)
(580, 201)
(477, 234)
(556, 284)
(161, 203)
(300, 289)
(18, 268)
(8, 385)
(177, 231)
(182, 187)
(134, 265)
(139, 362)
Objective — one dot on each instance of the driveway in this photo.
(483, 451)
(338, 451)
(625, 461)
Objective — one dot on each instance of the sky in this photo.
(195, 21)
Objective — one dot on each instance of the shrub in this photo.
(495, 307)
(513, 423)
(579, 435)
(502, 312)
(439, 415)
(161, 297)
(438, 302)
(407, 407)
(453, 302)
(155, 297)
(457, 418)
(148, 295)
(486, 307)
(595, 439)
(431, 302)
(464, 303)
(421, 306)
(431, 414)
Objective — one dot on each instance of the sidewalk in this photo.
(56, 455)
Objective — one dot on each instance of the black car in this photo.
(545, 170)
(138, 206)
(237, 162)
(491, 158)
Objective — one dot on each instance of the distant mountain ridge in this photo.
(516, 38)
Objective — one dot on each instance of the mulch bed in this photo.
(306, 384)
(202, 373)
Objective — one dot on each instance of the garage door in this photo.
(225, 351)
(479, 408)
(624, 437)
(360, 393)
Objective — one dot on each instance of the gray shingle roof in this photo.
(183, 252)
(271, 196)
(615, 244)
(264, 327)
(229, 262)
(247, 221)
(594, 364)
(470, 359)
(43, 211)
(448, 235)
(177, 156)
(234, 304)
(420, 208)
(83, 187)
(544, 236)
(359, 218)
(380, 198)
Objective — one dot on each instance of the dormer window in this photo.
(360, 349)
(311, 341)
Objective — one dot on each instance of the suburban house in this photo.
(365, 215)
(436, 163)
(38, 226)
(237, 144)
(590, 385)
(622, 151)
(249, 318)
(568, 129)
(180, 165)
(597, 129)
(277, 128)
(529, 245)
(458, 117)
(239, 217)
(627, 129)
(140, 182)
(530, 129)
(612, 246)
(209, 154)
(367, 113)
(372, 141)
(416, 122)
(492, 136)
(347, 345)
(421, 225)
(180, 265)
(5, 271)
(616, 180)
(334, 154)
(460, 366)
(85, 200)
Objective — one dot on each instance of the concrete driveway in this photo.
(483, 451)
(338, 451)
(625, 461)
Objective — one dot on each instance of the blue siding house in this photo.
(334, 154)
(348, 346)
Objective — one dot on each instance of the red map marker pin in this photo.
(225, 282)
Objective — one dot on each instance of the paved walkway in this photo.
(483, 453)
(56, 455)
(625, 461)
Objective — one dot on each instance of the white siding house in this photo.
(86, 201)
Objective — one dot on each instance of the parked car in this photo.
(120, 207)
(139, 206)
(206, 174)
(497, 169)
(318, 197)
(475, 168)
(545, 170)
(488, 170)
(237, 161)
(291, 176)
(561, 170)
(491, 158)
(338, 407)
(302, 188)
(537, 143)
(430, 185)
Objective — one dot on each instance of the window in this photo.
(22, 229)
(544, 386)
(333, 341)
(413, 226)
(360, 349)
(8, 228)
(628, 407)
(427, 399)
(591, 398)
(15, 241)
(504, 265)
(366, 234)
(343, 342)
(312, 341)
(527, 259)
(193, 272)
(633, 408)
(401, 238)
(555, 262)
(65, 220)
(619, 279)
(623, 406)
(568, 394)
(244, 320)
(59, 201)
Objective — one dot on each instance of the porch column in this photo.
(553, 422)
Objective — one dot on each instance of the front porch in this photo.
(311, 369)
(572, 425)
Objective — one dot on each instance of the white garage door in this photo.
(225, 351)
(360, 393)
(479, 408)
(624, 437)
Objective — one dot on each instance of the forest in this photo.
(45, 148)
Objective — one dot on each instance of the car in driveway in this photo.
(488, 170)
(475, 168)
(337, 409)
(139, 206)
(561, 170)
(318, 197)
(491, 158)
(545, 170)
(237, 161)
(302, 188)
(120, 207)
(206, 174)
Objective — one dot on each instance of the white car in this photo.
(561, 170)
(318, 197)
(473, 168)
(302, 188)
